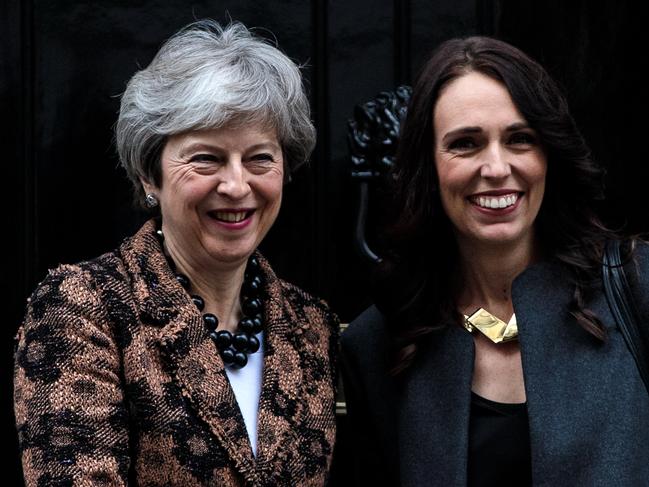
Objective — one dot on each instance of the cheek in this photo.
(271, 191)
(183, 184)
(452, 202)
(538, 177)
(441, 170)
(192, 194)
(450, 181)
(443, 185)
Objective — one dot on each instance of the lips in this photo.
(231, 215)
(496, 200)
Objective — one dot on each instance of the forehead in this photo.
(474, 99)
(239, 136)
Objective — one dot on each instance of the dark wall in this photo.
(597, 52)
(63, 65)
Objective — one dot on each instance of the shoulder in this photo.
(288, 299)
(366, 346)
(106, 272)
(300, 297)
(367, 332)
(638, 271)
(76, 283)
(641, 255)
(309, 308)
(70, 302)
(66, 315)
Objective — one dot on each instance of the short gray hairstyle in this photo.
(208, 76)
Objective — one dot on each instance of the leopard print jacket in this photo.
(117, 382)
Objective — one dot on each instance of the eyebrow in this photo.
(202, 146)
(476, 130)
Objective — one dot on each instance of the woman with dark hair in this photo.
(180, 358)
(491, 356)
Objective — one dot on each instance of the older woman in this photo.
(491, 357)
(180, 358)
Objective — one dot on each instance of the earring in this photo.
(151, 201)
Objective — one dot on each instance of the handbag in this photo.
(620, 302)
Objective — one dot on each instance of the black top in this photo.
(499, 444)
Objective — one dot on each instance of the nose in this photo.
(233, 181)
(496, 164)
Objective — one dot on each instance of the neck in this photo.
(219, 286)
(487, 273)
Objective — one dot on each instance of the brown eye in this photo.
(263, 158)
(522, 138)
(463, 144)
(203, 158)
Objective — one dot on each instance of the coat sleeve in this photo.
(362, 442)
(368, 396)
(68, 389)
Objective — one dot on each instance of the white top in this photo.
(246, 384)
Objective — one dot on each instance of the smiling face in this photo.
(221, 191)
(490, 164)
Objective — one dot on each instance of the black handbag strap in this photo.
(620, 301)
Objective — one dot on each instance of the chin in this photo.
(234, 256)
(231, 254)
(504, 237)
(497, 234)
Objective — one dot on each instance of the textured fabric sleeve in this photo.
(368, 400)
(68, 398)
(367, 460)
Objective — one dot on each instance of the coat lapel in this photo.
(434, 412)
(190, 356)
(199, 371)
(281, 405)
(566, 375)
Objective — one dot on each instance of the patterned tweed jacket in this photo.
(117, 382)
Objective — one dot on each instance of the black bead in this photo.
(240, 342)
(246, 325)
(232, 349)
(253, 344)
(223, 339)
(211, 321)
(252, 286)
(183, 280)
(251, 306)
(240, 360)
(198, 301)
(257, 324)
(228, 356)
(160, 235)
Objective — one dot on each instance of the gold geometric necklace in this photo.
(491, 326)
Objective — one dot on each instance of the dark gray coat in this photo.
(588, 408)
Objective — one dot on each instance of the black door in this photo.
(65, 63)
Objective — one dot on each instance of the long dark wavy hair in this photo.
(413, 288)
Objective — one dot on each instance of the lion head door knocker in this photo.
(373, 134)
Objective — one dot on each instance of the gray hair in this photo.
(207, 76)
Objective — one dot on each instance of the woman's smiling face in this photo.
(221, 192)
(490, 164)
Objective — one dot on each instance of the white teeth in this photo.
(496, 202)
(230, 217)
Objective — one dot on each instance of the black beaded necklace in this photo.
(233, 348)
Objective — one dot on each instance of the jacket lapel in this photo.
(190, 356)
(566, 375)
(199, 371)
(434, 412)
(280, 405)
